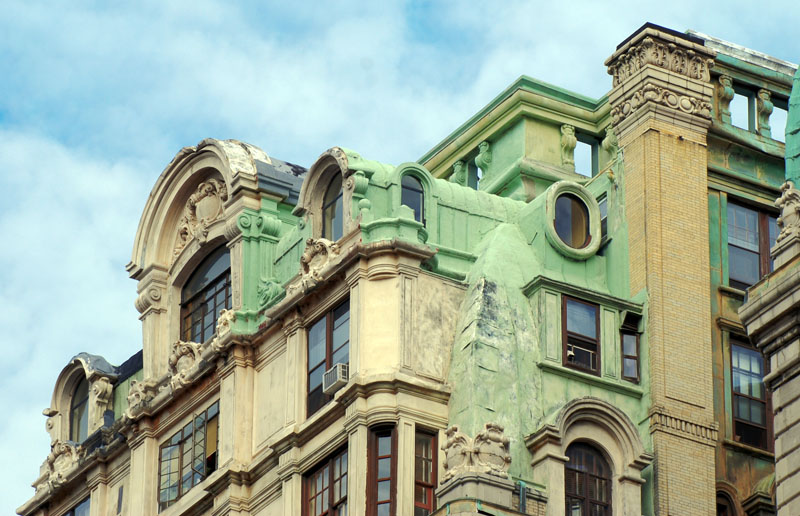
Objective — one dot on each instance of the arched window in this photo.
(207, 291)
(413, 196)
(587, 479)
(79, 413)
(332, 210)
(724, 505)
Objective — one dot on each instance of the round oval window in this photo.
(572, 221)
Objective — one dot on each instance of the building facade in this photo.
(499, 327)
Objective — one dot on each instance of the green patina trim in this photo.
(527, 84)
(753, 74)
(121, 390)
(619, 386)
(793, 134)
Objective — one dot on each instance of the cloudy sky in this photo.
(97, 97)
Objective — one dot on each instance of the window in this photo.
(572, 221)
(424, 473)
(206, 292)
(586, 159)
(751, 234)
(602, 204)
(332, 210)
(188, 457)
(382, 473)
(750, 411)
(412, 195)
(630, 354)
(587, 479)
(724, 505)
(82, 509)
(79, 413)
(328, 345)
(325, 488)
(580, 323)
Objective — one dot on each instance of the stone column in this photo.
(661, 112)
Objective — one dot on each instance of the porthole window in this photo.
(79, 413)
(332, 210)
(572, 221)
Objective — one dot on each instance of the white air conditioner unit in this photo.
(335, 378)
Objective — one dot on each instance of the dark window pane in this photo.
(412, 196)
(743, 268)
(204, 275)
(316, 343)
(332, 226)
(572, 221)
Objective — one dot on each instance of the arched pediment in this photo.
(191, 194)
(333, 161)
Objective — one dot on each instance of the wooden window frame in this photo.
(630, 331)
(587, 501)
(333, 504)
(431, 486)
(567, 335)
(329, 352)
(372, 470)
(741, 341)
(764, 258)
(189, 442)
(198, 302)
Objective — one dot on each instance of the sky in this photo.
(97, 97)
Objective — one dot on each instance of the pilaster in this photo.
(661, 111)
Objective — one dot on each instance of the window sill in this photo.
(732, 292)
(750, 450)
(633, 390)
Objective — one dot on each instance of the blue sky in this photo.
(97, 97)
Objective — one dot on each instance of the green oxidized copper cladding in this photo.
(793, 134)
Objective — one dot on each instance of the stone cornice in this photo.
(651, 46)
(664, 420)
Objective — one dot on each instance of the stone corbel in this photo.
(316, 257)
(59, 464)
(484, 157)
(763, 111)
(568, 143)
(487, 453)
(459, 175)
(725, 95)
(183, 358)
(140, 394)
(102, 391)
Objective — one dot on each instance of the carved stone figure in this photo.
(139, 393)
(487, 453)
(317, 254)
(459, 175)
(184, 355)
(102, 390)
(610, 143)
(789, 221)
(484, 157)
(763, 111)
(725, 95)
(202, 208)
(568, 143)
(224, 322)
(62, 459)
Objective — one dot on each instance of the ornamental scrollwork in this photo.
(139, 394)
(317, 254)
(789, 221)
(484, 157)
(61, 460)
(184, 355)
(102, 390)
(202, 208)
(487, 453)
(662, 96)
(662, 54)
(268, 291)
(225, 322)
(764, 108)
(459, 175)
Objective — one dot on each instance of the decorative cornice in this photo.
(689, 62)
(662, 420)
(651, 93)
(487, 453)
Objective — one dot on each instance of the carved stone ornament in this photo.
(202, 208)
(316, 257)
(484, 157)
(663, 55)
(459, 175)
(62, 459)
(139, 394)
(789, 221)
(224, 322)
(764, 108)
(184, 355)
(568, 143)
(610, 143)
(663, 96)
(149, 297)
(725, 95)
(268, 291)
(102, 390)
(487, 453)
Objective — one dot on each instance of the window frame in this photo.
(375, 434)
(566, 335)
(765, 263)
(80, 505)
(191, 443)
(428, 486)
(75, 434)
(742, 342)
(587, 501)
(420, 191)
(328, 316)
(626, 330)
(310, 476)
(187, 333)
(328, 203)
